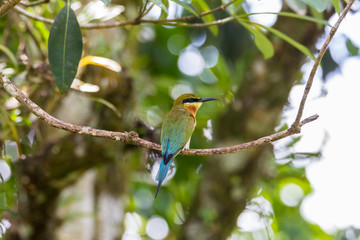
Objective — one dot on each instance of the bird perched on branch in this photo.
(177, 129)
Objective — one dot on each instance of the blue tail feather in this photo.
(158, 188)
(164, 166)
(161, 175)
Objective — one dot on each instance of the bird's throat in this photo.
(192, 108)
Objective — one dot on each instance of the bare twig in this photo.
(132, 137)
(7, 6)
(203, 24)
(310, 80)
(31, 4)
(256, 143)
(143, 9)
(33, 16)
(171, 22)
(147, 11)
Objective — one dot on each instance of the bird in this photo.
(176, 130)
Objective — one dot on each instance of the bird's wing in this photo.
(176, 131)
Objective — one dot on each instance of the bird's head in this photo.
(191, 102)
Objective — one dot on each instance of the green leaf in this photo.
(234, 7)
(163, 13)
(283, 127)
(336, 4)
(107, 104)
(288, 39)
(10, 55)
(316, 14)
(302, 17)
(160, 4)
(328, 65)
(319, 5)
(292, 15)
(297, 6)
(65, 48)
(262, 43)
(202, 6)
(106, 2)
(294, 140)
(3, 204)
(187, 6)
(353, 50)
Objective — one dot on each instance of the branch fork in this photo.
(134, 139)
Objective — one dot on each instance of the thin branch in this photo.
(147, 11)
(133, 137)
(200, 25)
(143, 9)
(31, 4)
(256, 143)
(33, 16)
(192, 17)
(310, 80)
(167, 22)
(171, 22)
(7, 6)
(30, 30)
(127, 137)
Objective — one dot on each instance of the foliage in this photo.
(65, 48)
(126, 80)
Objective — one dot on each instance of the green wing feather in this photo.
(178, 126)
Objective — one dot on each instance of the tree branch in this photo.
(170, 22)
(31, 4)
(7, 6)
(310, 80)
(132, 137)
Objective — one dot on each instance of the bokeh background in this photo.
(58, 185)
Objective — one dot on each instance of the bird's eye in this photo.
(190, 100)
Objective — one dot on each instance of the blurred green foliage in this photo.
(143, 92)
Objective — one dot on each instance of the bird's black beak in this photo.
(208, 99)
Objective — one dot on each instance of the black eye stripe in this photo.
(190, 100)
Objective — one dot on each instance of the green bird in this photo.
(177, 129)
